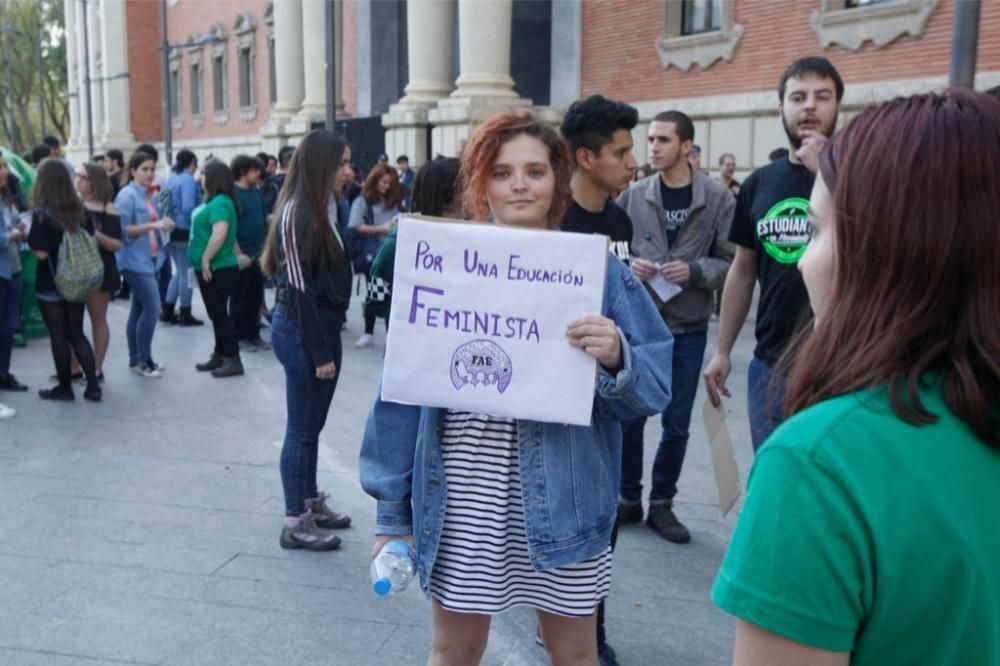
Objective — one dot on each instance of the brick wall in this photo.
(196, 17)
(620, 58)
(143, 32)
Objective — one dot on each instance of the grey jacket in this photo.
(703, 242)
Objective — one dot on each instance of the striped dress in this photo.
(482, 564)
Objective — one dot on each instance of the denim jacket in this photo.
(570, 475)
(6, 225)
(185, 196)
(136, 254)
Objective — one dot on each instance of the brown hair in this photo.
(100, 185)
(138, 158)
(309, 183)
(370, 189)
(55, 196)
(484, 146)
(916, 284)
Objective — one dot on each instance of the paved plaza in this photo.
(144, 529)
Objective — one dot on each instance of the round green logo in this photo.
(785, 230)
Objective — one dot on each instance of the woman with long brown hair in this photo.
(306, 255)
(58, 210)
(373, 215)
(104, 224)
(870, 533)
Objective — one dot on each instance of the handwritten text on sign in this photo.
(479, 317)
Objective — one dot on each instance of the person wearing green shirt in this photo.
(870, 534)
(212, 249)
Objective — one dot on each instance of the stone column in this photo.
(81, 83)
(117, 131)
(484, 83)
(430, 26)
(289, 75)
(338, 45)
(313, 48)
(97, 70)
(76, 129)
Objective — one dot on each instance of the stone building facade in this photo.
(251, 74)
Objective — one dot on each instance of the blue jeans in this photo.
(688, 354)
(142, 317)
(308, 402)
(10, 308)
(765, 400)
(179, 286)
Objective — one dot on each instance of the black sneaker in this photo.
(8, 382)
(57, 392)
(629, 512)
(662, 519)
(606, 655)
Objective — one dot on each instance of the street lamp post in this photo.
(165, 48)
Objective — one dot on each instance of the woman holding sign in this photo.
(306, 255)
(512, 512)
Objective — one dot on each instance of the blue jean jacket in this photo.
(136, 255)
(570, 475)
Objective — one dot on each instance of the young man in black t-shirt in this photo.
(771, 229)
(599, 134)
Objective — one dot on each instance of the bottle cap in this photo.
(382, 586)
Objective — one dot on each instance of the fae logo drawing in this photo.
(481, 363)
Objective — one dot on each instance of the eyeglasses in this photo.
(82, 175)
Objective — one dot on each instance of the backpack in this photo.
(80, 270)
(363, 247)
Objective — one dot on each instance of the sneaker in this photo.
(7, 412)
(186, 319)
(662, 519)
(325, 516)
(167, 315)
(247, 346)
(606, 655)
(158, 366)
(146, 369)
(8, 382)
(57, 392)
(628, 512)
(366, 340)
(306, 535)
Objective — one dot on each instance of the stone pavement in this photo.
(144, 529)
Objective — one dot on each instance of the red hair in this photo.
(483, 149)
(916, 284)
(370, 189)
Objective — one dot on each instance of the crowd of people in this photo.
(872, 392)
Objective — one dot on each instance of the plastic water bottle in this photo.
(393, 568)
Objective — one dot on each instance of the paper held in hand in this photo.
(727, 474)
(479, 317)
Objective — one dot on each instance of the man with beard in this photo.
(771, 229)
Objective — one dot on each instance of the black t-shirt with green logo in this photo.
(771, 219)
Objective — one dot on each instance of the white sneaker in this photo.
(366, 340)
(6, 412)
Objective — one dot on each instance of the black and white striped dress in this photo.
(482, 564)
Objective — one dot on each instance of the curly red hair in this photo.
(483, 149)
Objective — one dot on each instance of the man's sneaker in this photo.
(629, 512)
(6, 412)
(305, 534)
(662, 519)
(606, 655)
(325, 516)
(366, 340)
(57, 392)
(231, 367)
(147, 369)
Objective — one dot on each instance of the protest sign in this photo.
(479, 317)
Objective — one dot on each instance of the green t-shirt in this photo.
(862, 533)
(219, 209)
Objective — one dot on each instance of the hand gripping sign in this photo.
(479, 317)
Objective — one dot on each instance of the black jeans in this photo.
(217, 294)
(247, 301)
